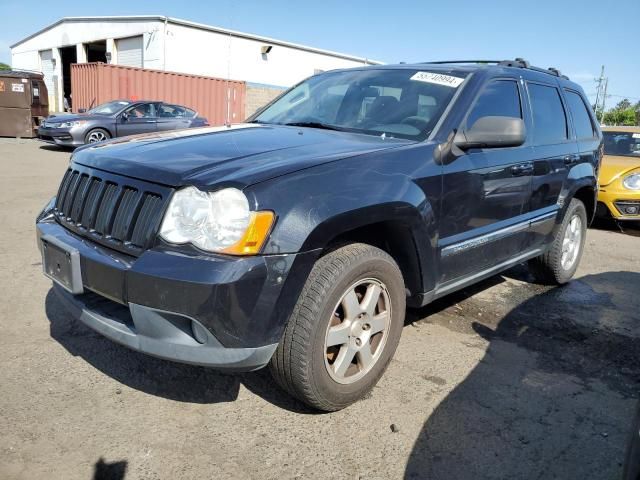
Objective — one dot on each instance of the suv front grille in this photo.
(118, 212)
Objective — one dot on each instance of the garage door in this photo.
(46, 65)
(130, 51)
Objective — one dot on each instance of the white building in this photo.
(165, 43)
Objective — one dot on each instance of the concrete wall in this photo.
(258, 96)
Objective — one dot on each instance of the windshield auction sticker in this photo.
(438, 79)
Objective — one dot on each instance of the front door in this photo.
(485, 191)
(139, 118)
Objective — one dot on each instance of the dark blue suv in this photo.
(298, 238)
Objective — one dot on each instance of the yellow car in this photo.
(620, 173)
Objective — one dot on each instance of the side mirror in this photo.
(82, 110)
(492, 132)
(124, 116)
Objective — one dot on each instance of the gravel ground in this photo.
(504, 380)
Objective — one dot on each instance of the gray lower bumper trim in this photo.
(150, 332)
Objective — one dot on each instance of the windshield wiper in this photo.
(324, 126)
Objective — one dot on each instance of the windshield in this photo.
(626, 144)
(109, 107)
(397, 103)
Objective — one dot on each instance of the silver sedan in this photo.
(116, 119)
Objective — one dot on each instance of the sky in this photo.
(577, 37)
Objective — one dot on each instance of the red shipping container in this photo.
(220, 101)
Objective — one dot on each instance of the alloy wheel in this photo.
(571, 243)
(357, 331)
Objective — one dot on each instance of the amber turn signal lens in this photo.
(255, 236)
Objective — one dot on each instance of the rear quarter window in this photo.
(581, 118)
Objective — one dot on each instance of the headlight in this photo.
(632, 182)
(75, 123)
(217, 222)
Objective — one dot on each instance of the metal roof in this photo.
(201, 26)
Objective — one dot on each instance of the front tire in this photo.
(559, 264)
(344, 328)
(96, 135)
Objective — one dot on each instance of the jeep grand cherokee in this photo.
(297, 239)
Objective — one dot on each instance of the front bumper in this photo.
(211, 310)
(616, 200)
(64, 137)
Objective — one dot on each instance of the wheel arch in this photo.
(100, 127)
(583, 185)
(405, 232)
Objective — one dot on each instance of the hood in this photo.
(613, 167)
(70, 117)
(240, 154)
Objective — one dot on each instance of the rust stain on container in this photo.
(219, 100)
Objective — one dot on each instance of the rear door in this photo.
(555, 152)
(139, 118)
(485, 191)
(172, 117)
(585, 127)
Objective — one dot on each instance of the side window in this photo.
(143, 110)
(581, 118)
(549, 118)
(499, 98)
(171, 111)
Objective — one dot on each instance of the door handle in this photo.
(522, 169)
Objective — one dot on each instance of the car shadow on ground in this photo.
(174, 381)
(553, 394)
(609, 224)
(56, 148)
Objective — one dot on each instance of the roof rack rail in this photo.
(516, 63)
(522, 63)
(444, 62)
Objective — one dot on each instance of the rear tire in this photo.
(96, 135)
(559, 264)
(344, 328)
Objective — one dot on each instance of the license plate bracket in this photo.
(61, 263)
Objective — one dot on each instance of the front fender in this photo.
(319, 204)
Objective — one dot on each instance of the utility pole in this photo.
(604, 99)
(600, 82)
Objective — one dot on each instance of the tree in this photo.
(620, 117)
(623, 105)
(624, 113)
(4, 66)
